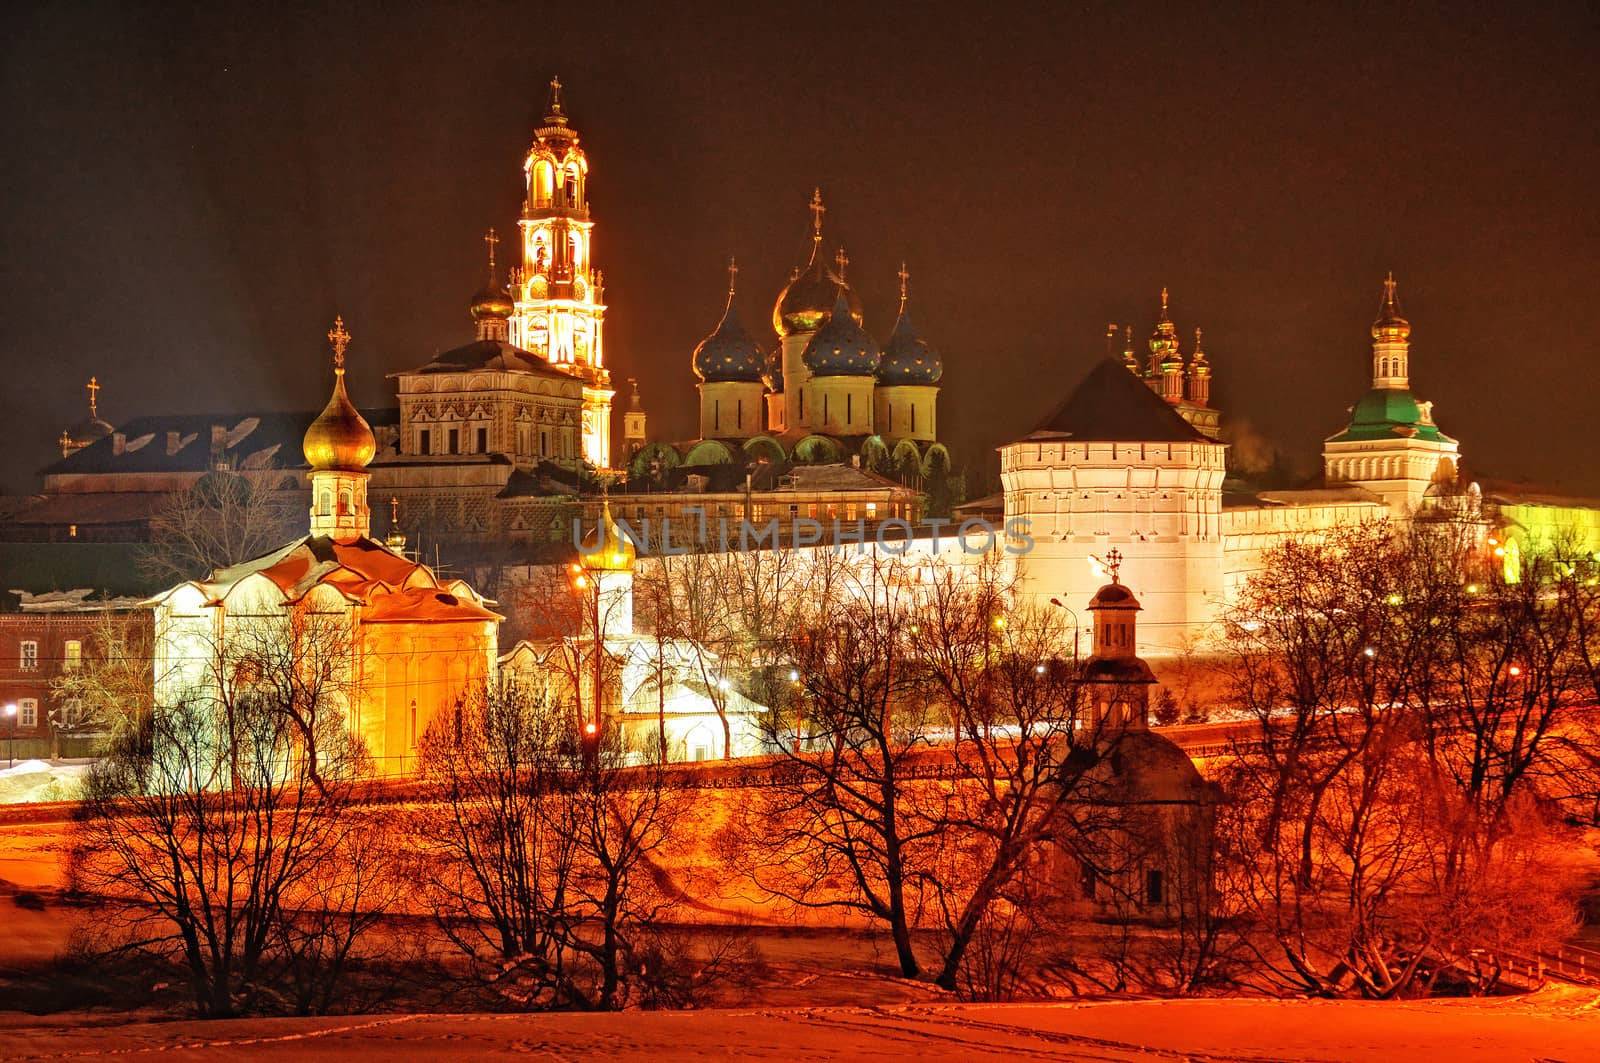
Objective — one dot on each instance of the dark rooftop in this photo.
(1111, 405)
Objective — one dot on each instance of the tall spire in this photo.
(1199, 374)
(555, 114)
(1166, 361)
(1391, 346)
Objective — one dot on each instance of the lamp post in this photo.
(11, 735)
(1076, 627)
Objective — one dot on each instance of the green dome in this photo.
(1385, 413)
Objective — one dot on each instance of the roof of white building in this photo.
(1112, 405)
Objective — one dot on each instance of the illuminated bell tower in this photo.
(558, 291)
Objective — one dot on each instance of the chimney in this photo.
(219, 442)
(119, 442)
(173, 439)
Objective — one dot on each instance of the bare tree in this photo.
(498, 869)
(224, 518)
(535, 852)
(1406, 709)
(230, 848)
(112, 689)
(842, 826)
(1026, 748)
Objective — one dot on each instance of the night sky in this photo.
(189, 198)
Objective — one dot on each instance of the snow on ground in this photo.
(41, 780)
(1553, 1024)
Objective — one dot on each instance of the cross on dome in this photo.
(490, 240)
(904, 277)
(340, 340)
(733, 274)
(817, 211)
(841, 260)
(1114, 564)
(94, 389)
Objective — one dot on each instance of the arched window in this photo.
(346, 507)
(324, 502)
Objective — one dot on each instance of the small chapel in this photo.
(397, 644)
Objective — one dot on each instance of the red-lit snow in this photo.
(1553, 1024)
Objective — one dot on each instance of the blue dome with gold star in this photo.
(841, 347)
(907, 357)
(729, 353)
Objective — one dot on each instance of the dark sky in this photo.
(189, 197)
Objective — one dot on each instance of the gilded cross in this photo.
(394, 511)
(1163, 304)
(1388, 288)
(555, 95)
(817, 211)
(841, 260)
(340, 340)
(94, 395)
(1113, 563)
(491, 239)
(733, 273)
(904, 277)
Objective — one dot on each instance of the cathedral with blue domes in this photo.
(820, 389)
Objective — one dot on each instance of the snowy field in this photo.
(1553, 1024)
(28, 781)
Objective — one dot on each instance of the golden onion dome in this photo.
(1390, 324)
(606, 549)
(340, 438)
(807, 300)
(492, 301)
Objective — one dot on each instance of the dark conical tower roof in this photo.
(1112, 405)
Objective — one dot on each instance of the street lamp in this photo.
(1057, 602)
(11, 735)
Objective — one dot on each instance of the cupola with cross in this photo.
(338, 447)
(730, 366)
(804, 306)
(1117, 678)
(906, 401)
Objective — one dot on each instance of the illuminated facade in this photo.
(559, 310)
(392, 645)
(1392, 447)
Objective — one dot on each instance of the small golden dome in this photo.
(1390, 325)
(340, 438)
(492, 301)
(606, 549)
